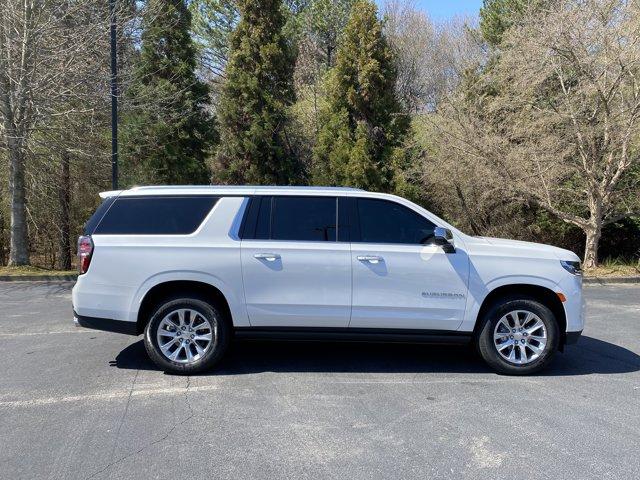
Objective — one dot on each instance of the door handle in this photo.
(370, 258)
(269, 257)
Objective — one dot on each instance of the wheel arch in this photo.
(537, 292)
(159, 291)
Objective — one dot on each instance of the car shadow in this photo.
(589, 356)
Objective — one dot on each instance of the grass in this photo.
(614, 268)
(31, 271)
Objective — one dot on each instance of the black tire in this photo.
(211, 356)
(488, 350)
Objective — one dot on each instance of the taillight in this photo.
(85, 250)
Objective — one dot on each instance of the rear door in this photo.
(296, 272)
(399, 279)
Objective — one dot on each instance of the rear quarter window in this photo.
(171, 215)
(92, 223)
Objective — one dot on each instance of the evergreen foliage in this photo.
(213, 23)
(258, 91)
(497, 16)
(362, 128)
(167, 132)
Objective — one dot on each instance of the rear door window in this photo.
(311, 219)
(170, 215)
(304, 218)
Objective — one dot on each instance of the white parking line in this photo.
(28, 334)
(181, 390)
(103, 396)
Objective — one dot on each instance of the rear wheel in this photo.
(518, 336)
(186, 335)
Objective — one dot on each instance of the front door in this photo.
(296, 273)
(399, 279)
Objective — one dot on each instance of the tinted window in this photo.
(263, 224)
(155, 215)
(388, 222)
(91, 224)
(345, 214)
(248, 226)
(303, 218)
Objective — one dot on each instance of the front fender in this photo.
(478, 292)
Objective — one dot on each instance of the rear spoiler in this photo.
(110, 193)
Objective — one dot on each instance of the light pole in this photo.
(114, 97)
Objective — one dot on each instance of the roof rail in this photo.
(258, 187)
(109, 193)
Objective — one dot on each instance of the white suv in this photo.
(192, 267)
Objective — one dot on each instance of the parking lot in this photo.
(77, 403)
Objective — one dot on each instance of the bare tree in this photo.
(555, 118)
(430, 57)
(18, 22)
(52, 75)
(213, 23)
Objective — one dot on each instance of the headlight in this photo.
(572, 267)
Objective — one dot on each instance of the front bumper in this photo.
(105, 324)
(574, 306)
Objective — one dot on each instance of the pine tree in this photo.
(498, 16)
(360, 141)
(168, 132)
(256, 96)
(213, 24)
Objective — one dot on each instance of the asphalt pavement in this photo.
(77, 403)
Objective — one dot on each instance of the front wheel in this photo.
(186, 335)
(518, 336)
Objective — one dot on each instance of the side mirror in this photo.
(444, 238)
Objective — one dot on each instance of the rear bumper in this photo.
(105, 324)
(572, 337)
(101, 300)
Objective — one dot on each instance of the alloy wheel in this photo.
(185, 335)
(520, 337)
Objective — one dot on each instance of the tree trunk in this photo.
(64, 197)
(593, 233)
(3, 245)
(19, 249)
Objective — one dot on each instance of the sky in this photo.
(441, 10)
(445, 9)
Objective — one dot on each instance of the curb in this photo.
(38, 278)
(609, 280)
